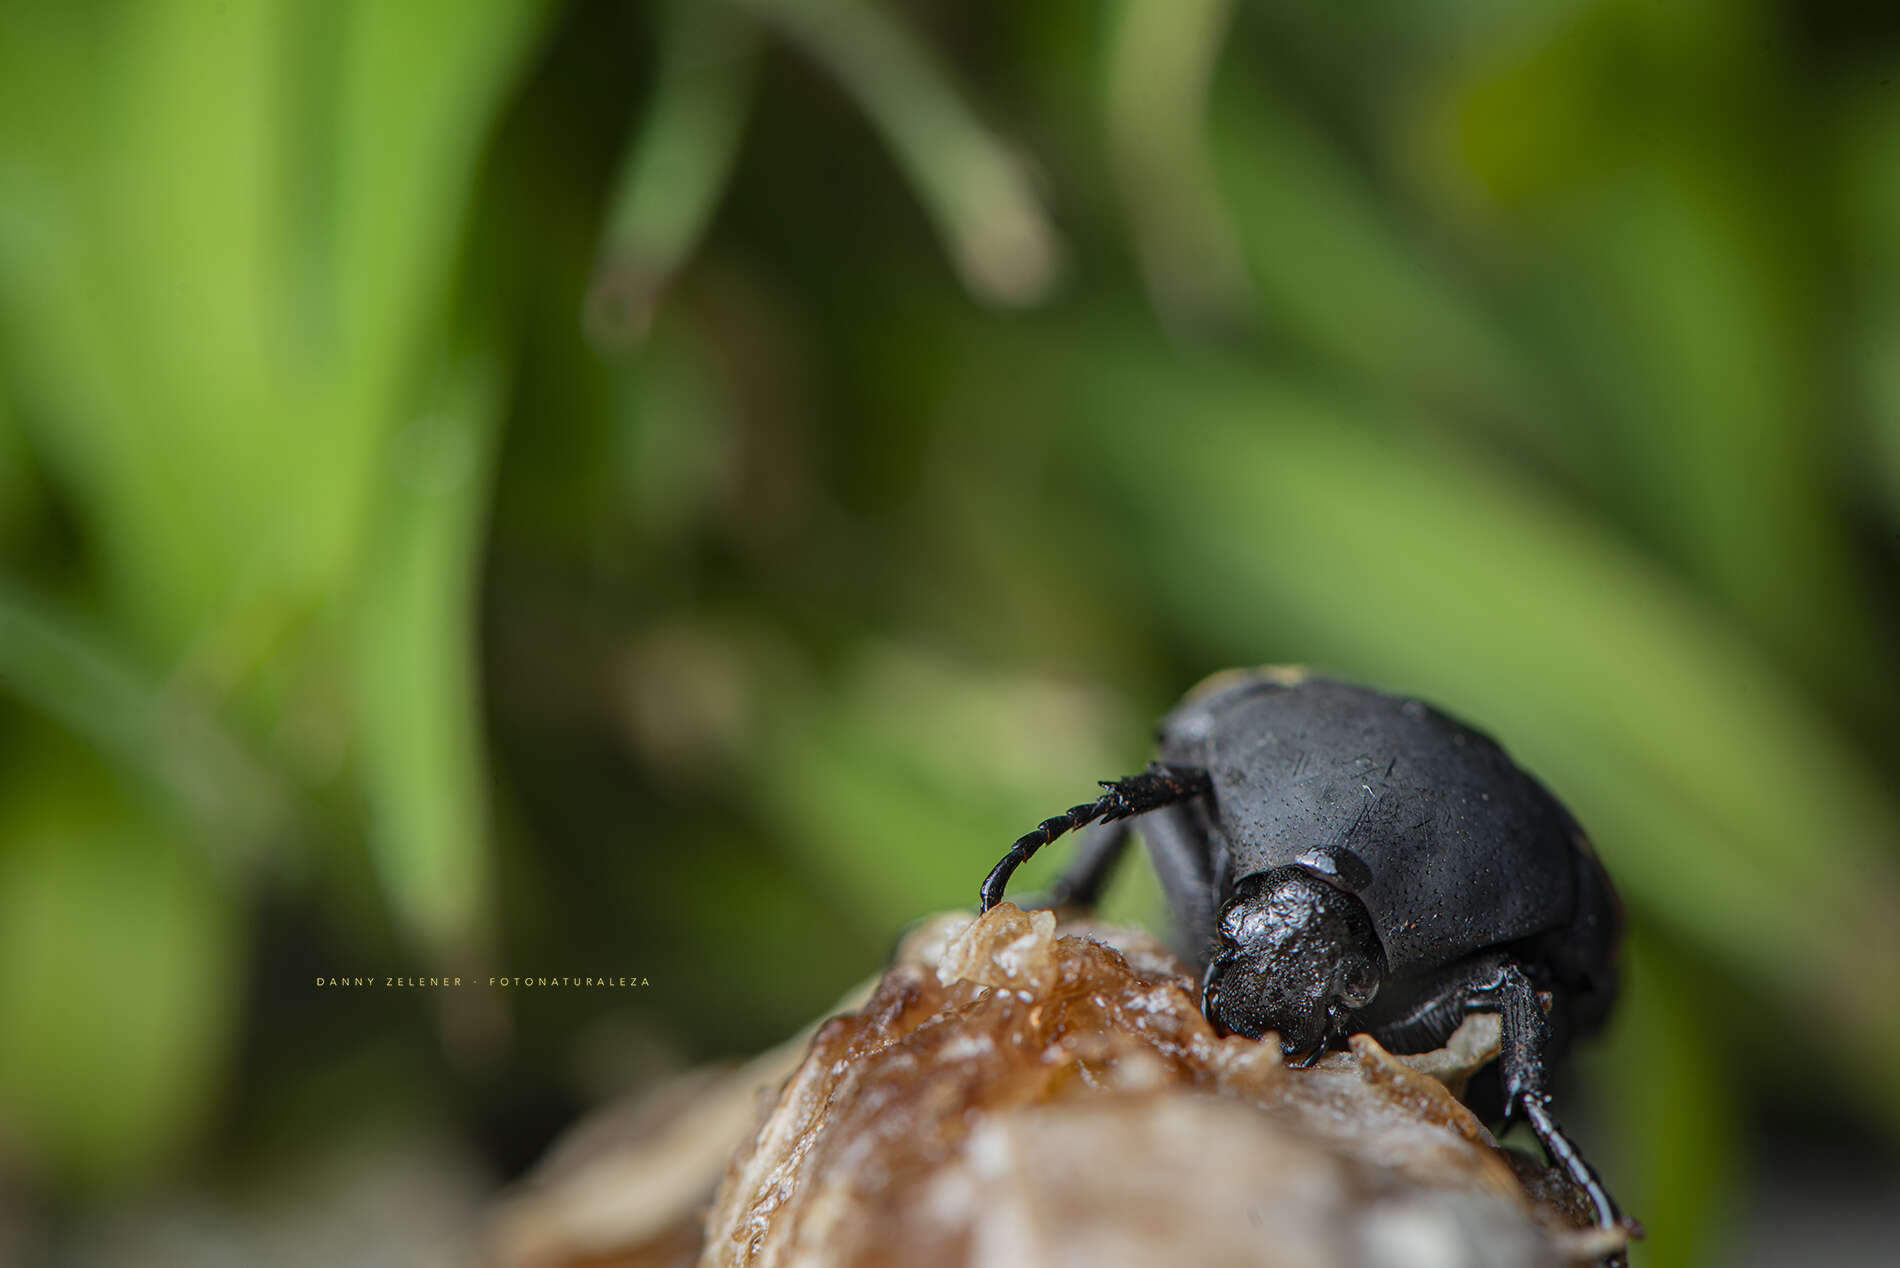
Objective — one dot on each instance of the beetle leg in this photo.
(1337, 1018)
(1525, 1035)
(1192, 865)
(1154, 788)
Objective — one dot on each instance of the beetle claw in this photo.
(1311, 1059)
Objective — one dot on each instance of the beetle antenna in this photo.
(1154, 788)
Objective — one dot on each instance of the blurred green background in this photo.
(672, 489)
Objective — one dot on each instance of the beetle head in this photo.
(1296, 955)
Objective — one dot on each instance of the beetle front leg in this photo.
(1525, 1039)
(1338, 1019)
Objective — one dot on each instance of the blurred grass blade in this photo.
(977, 191)
(677, 165)
(1871, 144)
(139, 260)
(1678, 262)
(1333, 269)
(1342, 278)
(415, 663)
(222, 269)
(418, 88)
(1160, 65)
(120, 974)
(1699, 337)
(157, 735)
(1669, 1086)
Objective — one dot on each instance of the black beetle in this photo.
(1341, 861)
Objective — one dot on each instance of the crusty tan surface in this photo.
(1012, 1094)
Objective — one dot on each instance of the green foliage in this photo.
(120, 952)
(230, 233)
(488, 488)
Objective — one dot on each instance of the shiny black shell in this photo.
(1460, 848)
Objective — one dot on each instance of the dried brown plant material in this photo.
(1013, 1095)
(628, 1186)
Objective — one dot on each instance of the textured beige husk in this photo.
(1015, 1094)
